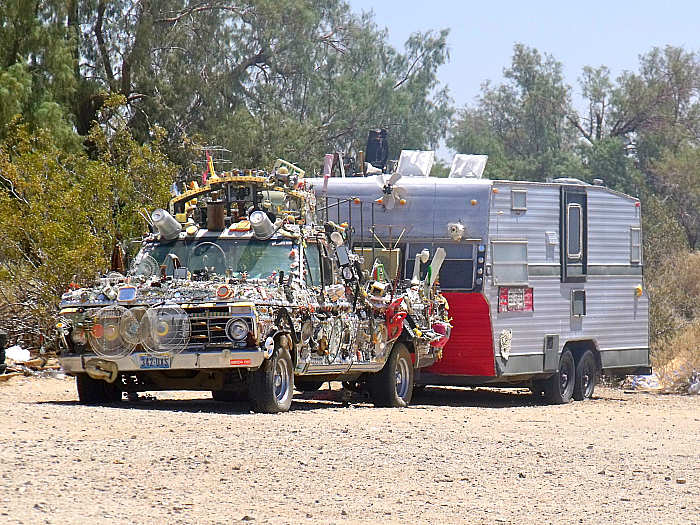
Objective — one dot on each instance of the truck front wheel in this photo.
(392, 386)
(271, 386)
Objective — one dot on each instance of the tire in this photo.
(586, 377)
(307, 385)
(95, 391)
(271, 386)
(228, 396)
(392, 386)
(559, 388)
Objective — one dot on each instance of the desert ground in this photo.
(454, 456)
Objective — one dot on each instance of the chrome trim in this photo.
(184, 361)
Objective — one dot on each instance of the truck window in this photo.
(313, 266)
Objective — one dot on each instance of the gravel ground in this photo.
(455, 456)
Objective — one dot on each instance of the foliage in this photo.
(61, 212)
(522, 124)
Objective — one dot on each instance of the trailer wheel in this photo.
(392, 386)
(95, 391)
(271, 387)
(307, 385)
(559, 388)
(586, 376)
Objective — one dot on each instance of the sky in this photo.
(577, 33)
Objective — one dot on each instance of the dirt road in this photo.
(456, 456)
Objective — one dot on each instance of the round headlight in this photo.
(236, 329)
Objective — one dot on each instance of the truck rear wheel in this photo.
(559, 388)
(586, 376)
(95, 391)
(271, 386)
(392, 386)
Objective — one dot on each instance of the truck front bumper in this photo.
(142, 361)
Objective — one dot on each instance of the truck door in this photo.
(574, 234)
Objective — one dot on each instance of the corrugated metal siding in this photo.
(610, 217)
(615, 318)
(542, 215)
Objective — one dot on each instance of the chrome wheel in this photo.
(392, 386)
(403, 378)
(281, 381)
(270, 388)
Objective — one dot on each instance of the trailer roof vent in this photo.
(597, 182)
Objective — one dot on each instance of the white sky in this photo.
(593, 33)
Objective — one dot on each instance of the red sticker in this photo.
(515, 299)
(234, 362)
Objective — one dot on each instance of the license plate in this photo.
(151, 361)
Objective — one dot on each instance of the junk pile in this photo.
(678, 376)
(17, 361)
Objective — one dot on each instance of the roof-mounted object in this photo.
(468, 166)
(414, 163)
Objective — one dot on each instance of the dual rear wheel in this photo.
(573, 380)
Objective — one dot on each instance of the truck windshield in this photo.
(225, 257)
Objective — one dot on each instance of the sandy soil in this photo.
(455, 456)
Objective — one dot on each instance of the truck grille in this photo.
(208, 326)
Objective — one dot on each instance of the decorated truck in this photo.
(241, 289)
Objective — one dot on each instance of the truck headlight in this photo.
(237, 329)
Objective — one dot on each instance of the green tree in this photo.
(522, 124)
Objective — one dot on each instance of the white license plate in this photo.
(151, 361)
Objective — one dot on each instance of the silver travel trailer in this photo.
(544, 280)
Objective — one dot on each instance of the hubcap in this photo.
(403, 375)
(565, 378)
(281, 381)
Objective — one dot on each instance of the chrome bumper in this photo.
(224, 359)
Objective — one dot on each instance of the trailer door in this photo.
(574, 234)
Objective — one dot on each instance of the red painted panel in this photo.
(469, 352)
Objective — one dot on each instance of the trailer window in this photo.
(574, 243)
(509, 262)
(518, 200)
(636, 244)
(578, 303)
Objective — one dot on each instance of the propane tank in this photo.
(166, 224)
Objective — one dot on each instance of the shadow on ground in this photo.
(335, 398)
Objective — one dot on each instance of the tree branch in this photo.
(104, 55)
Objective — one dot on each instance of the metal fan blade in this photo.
(394, 178)
(400, 192)
(390, 201)
(379, 179)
